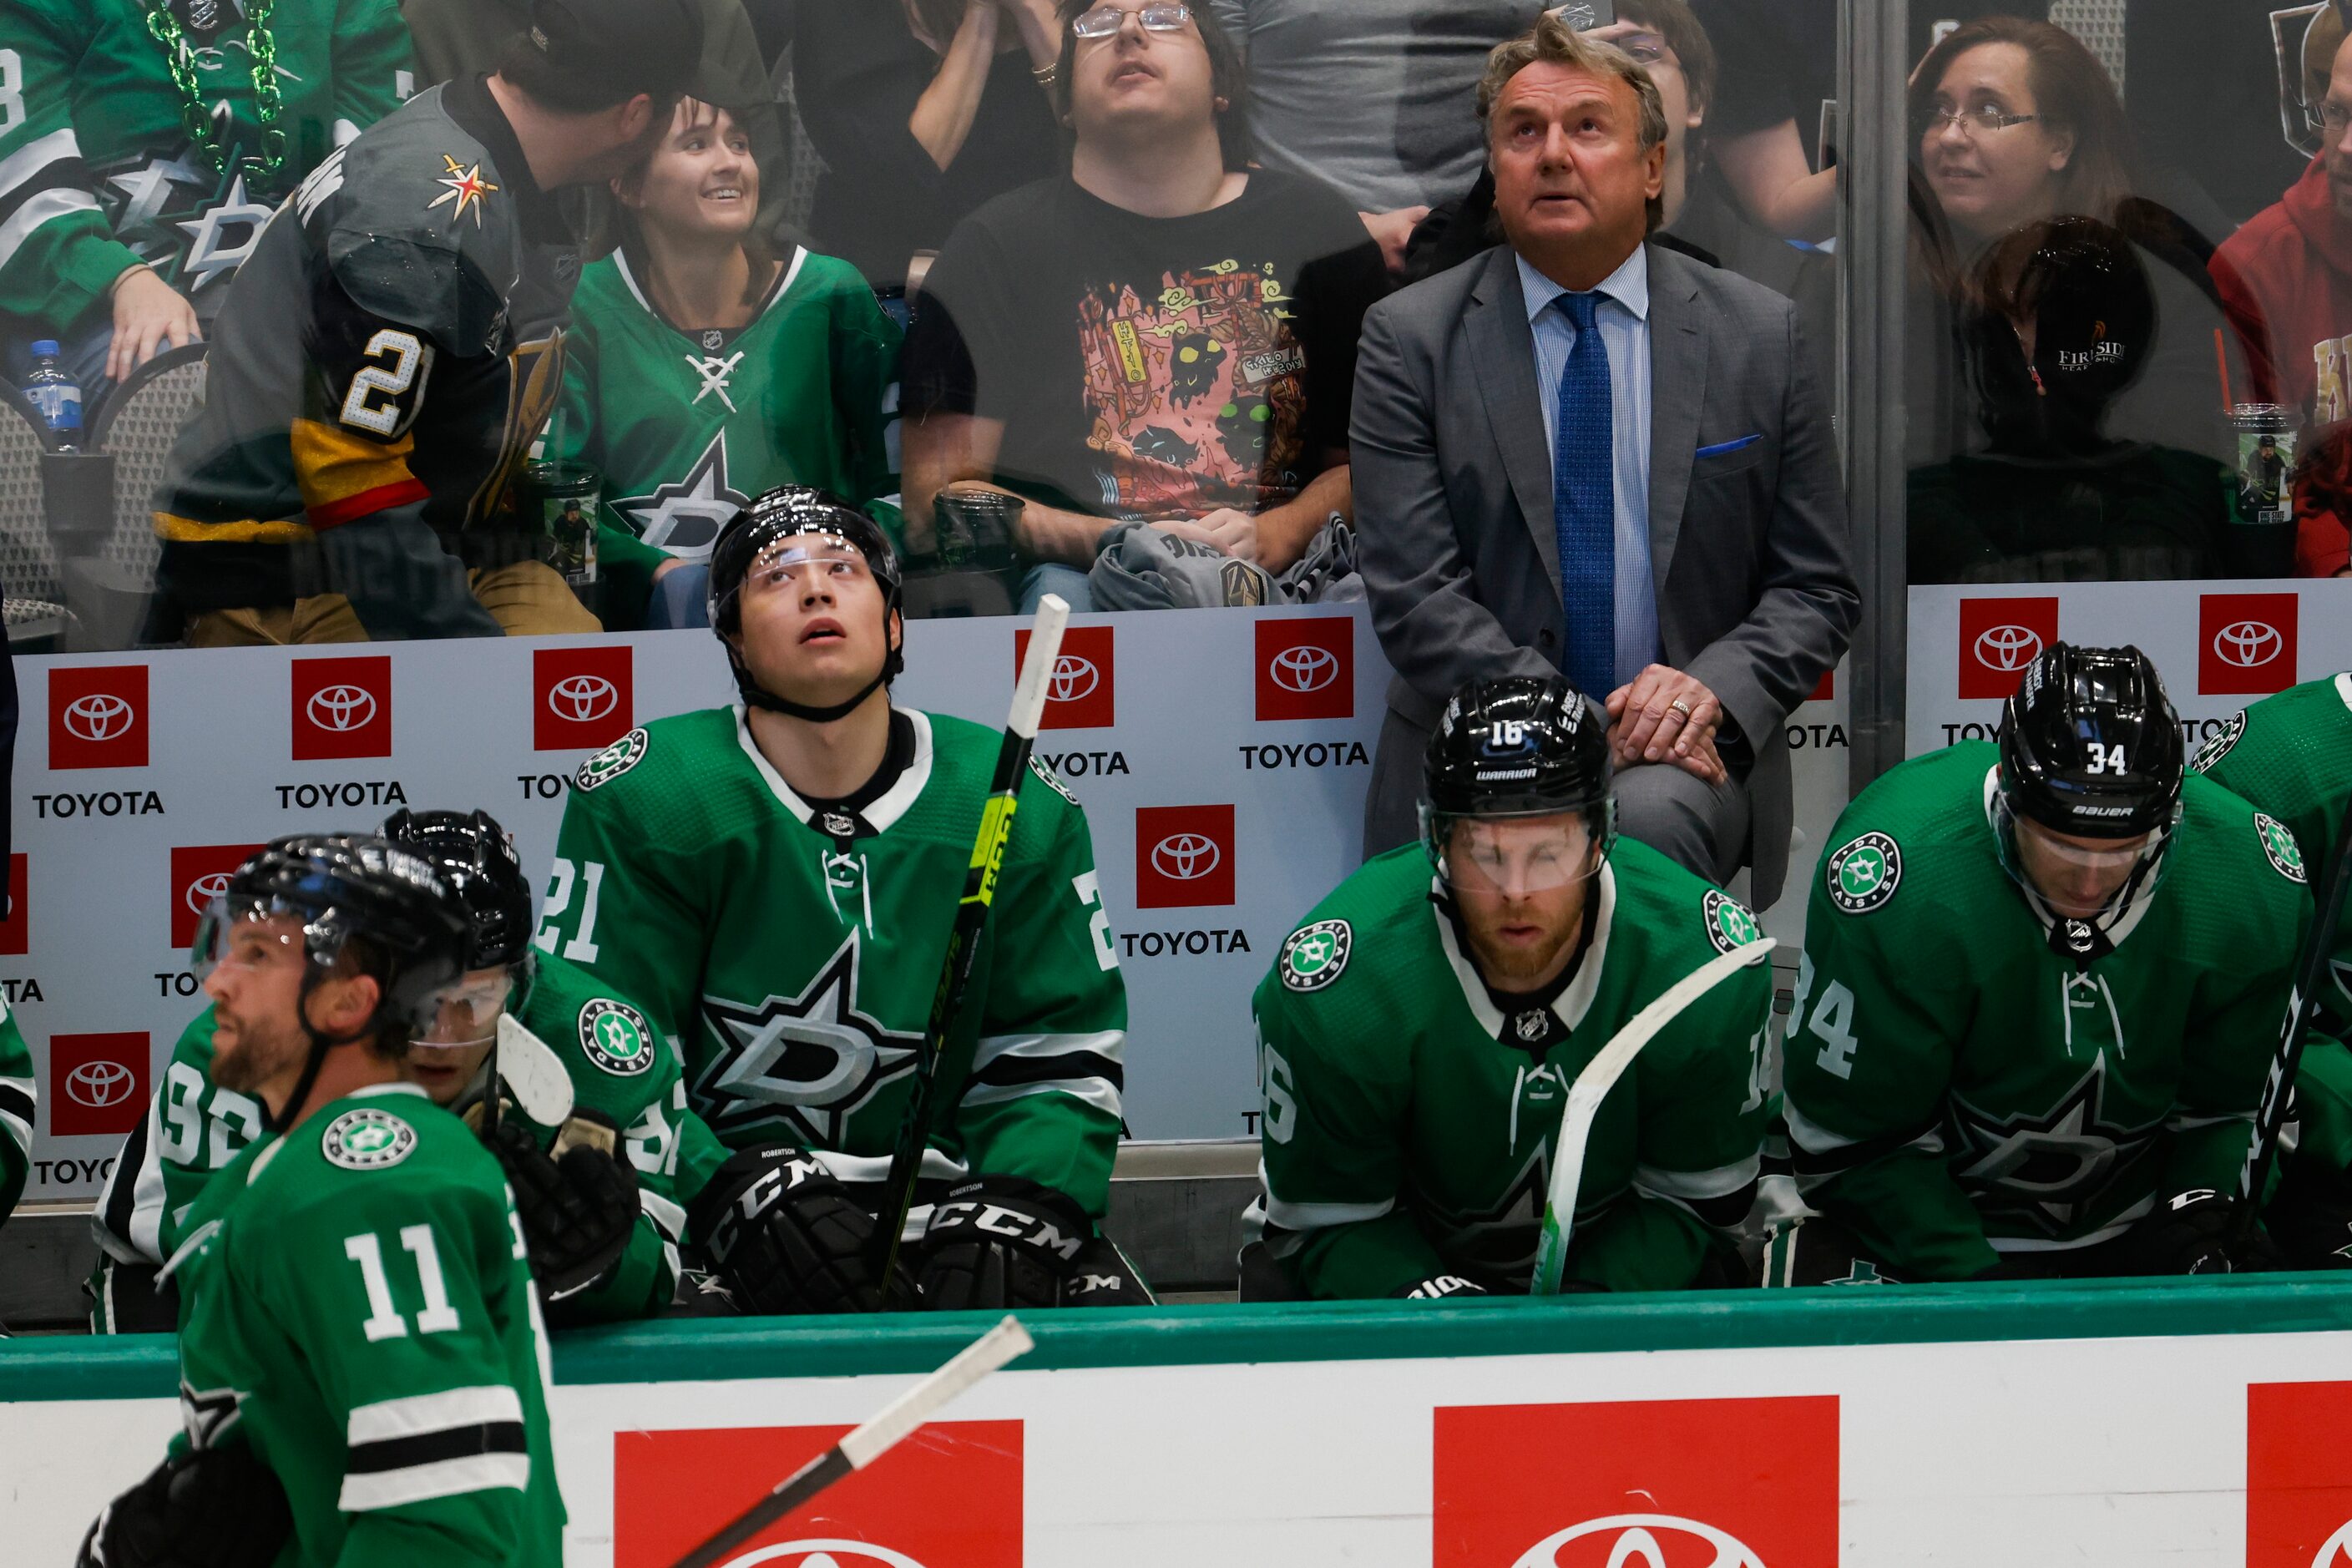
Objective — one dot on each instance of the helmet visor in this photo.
(789, 563)
(1514, 854)
(246, 934)
(2078, 879)
(464, 1013)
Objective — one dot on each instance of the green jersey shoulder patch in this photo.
(616, 1037)
(2218, 744)
(613, 762)
(1050, 779)
(1864, 873)
(1729, 925)
(367, 1140)
(1315, 955)
(2278, 843)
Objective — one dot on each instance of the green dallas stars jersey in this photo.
(619, 1067)
(17, 1098)
(795, 968)
(686, 428)
(1409, 1126)
(97, 173)
(1955, 1088)
(2290, 755)
(358, 1310)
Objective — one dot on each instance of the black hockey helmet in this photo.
(748, 537)
(410, 928)
(2090, 744)
(1519, 746)
(476, 857)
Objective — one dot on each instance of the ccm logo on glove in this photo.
(994, 1219)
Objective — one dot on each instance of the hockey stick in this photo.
(870, 1441)
(1593, 1086)
(529, 1066)
(972, 915)
(2312, 974)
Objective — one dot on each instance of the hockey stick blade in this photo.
(529, 1066)
(963, 938)
(870, 1441)
(1593, 1086)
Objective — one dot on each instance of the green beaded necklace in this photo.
(194, 119)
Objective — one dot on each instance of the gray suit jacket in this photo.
(1453, 506)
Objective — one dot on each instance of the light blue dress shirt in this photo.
(1622, 320)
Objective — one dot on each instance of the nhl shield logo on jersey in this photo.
(1728, 924)
(1864, 874)
(2217, 745)
(367, 1140)
(616, 1037)
(1315, 955)
(2278, 843)
(612, 761)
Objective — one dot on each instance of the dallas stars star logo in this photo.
(2046, 1167)
(685, 518)
(208, 255)
(208, 1414)
(466, 187)
(813, 1060)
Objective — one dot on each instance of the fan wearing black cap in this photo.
(776, 880)
(394, 346)
(2043, 982)
(1420, 1031)
(362, 1360)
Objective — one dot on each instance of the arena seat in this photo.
(111, 575)
(30, 593)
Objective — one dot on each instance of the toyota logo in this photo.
(1634, 1542)
(1185, 857)
(2338, 1550)
(1074, 678)
(823, 1554)
(2247, 644)
(341, 708)
(100, 1084)
(2008, 648)
(581, 698)
(1305, 669)
(100, 716)
(205, 889)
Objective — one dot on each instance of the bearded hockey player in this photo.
(777, 880)
(361, 1360)
(1420, 1031)
(142, 145)
(2043, 982)
(603, 1233)
(394, 344)
(2290, 755)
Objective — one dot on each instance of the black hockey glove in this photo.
(2189, 1232)
(787, 1238)
(577, 1209)
(214, 1508)
(1439, 1287)
(1003, 1241)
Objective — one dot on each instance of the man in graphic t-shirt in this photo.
(1165, 335)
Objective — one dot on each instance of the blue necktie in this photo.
(1584, 504)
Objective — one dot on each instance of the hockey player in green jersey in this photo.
(2043, 985)
(776, 880)
(361, 1360)
(704, 369)
(1420, 1031)
(144, 142)
(602, 1246)
(394, 347)
(2290, 755)
(19, 1095)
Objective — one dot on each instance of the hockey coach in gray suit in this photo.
(1584, 452)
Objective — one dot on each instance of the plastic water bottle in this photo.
(54, 393)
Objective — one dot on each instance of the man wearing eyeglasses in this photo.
(1165, 335)
(1583, 454)
(2286, 281)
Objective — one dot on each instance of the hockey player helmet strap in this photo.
(475, 857)
(748, 536)
(1518, 747)
(2090, 745)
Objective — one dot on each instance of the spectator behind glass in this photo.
(119, 234)
(2060, 327)
(2016, 122)
(702, 369)
(2288, 280)
(1367, 96)
(923, 110)
(1164, 335)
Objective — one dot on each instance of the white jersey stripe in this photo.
(419, 1413)
(19, 1132)
(666, 1216)
(1109, 1044)
(1098, 1092)
(442, 1478)
(34, 156)
(37, 210)
(1720, 1182)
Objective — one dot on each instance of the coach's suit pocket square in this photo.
(1720, 447)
